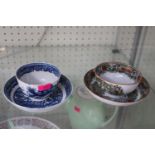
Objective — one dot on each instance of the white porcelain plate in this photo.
(134, 97)
(27, 123)
(16, 97)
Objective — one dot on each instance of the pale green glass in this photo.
(91, 115)
(87, 113)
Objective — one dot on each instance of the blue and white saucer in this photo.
(16, 97)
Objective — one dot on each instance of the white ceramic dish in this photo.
(27, 123)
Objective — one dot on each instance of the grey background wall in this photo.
(143, 115)
(67, 35)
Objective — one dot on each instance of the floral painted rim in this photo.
(37, 63)
(138, 80)
(107, 100)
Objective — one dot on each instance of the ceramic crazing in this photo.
(15, 95)
(37, 79)
(105, 96)
(117, 78)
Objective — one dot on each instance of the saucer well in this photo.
(16, 97)
(134, 97)
(27, 123)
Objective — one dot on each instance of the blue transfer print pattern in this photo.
(67, 85)
(54, 98)
(23, 100)
(37, 67)
(39, 94)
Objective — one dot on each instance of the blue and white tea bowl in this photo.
(37, 80)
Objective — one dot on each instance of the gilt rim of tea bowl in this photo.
(129, 67)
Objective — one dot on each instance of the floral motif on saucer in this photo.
(136, 96)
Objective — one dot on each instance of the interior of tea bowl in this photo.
(37, 79)
(117, 78)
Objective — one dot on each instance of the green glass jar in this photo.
(85, 112)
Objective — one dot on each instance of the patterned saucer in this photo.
(16, 97)
(27, 123)
(134, 97)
